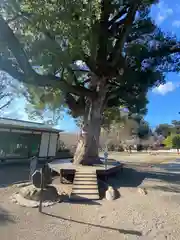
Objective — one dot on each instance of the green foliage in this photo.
(176, 141)
(44, 104)
(112, 116)
(172, 141)
(168, 141)
(143, 131)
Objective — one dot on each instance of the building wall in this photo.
(18, 144)
(15, 143)
(48, 146)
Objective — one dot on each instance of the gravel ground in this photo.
(131, 216)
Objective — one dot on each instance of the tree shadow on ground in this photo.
(134, 177)
(15, 173)
(81, 200)
(5, 217)
(123, 231)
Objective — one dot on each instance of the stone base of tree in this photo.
(29, 196)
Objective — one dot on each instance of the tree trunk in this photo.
(87, 152)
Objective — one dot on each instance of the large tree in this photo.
(124, 53)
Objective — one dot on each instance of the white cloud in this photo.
(176, 23)
(164, 12)
(163, 89)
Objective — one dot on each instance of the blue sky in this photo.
(164, 101)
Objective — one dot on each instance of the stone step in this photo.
(85, 179)
(84, 182)
(85, 175)
(85, 191)
(85, 186)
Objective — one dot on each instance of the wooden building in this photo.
(23, 139)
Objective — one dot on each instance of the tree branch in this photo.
(9, 67)
(13, 18)
(118, 15)
(117, 50)
(27, 73)
(4, 95)
(90, 63)
(163, 51)
(77, 107)
(7, 36)
(21, 14)
(103, 32)
(115, 28)
(6, 104)
(71, 72)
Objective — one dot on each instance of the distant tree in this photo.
(176, 122)
(172, 141)
(176, 126)
(176, 142)
(164, 129)
(168, 129)
(144, 131)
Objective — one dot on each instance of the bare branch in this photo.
(4, 95)
(6, 104)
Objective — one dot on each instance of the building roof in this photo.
(26, 125)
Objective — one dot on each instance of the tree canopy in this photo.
(144, 131)
(168, 129)
(42, 41)
(164, 129)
